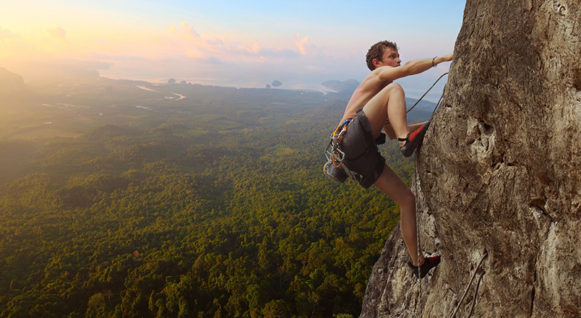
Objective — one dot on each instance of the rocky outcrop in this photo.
(499, 174)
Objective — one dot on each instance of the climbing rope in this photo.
(416, 181)
(418, 225)
(468, 287)
(418, 160)
(418, 245)
(475, 295)
(429, 89)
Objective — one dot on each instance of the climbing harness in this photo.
(333, 168)
(336, 154)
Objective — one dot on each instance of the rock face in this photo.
(499, 174)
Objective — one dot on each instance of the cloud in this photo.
(58, 33)
(177, 50)
(189, 29)
(185, 30)
(300, 43)
(184, 41)
(255, 47)
(118, 44)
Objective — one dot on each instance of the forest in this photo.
(128, 199)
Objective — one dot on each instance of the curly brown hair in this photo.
(376, 52)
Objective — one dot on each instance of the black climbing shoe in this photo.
(429, 262)
(413, 140)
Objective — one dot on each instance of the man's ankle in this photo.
(402, 140)
(420, 263)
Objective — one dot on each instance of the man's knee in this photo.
(395, 88)
(392, 90)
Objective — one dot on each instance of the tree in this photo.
(97, 306)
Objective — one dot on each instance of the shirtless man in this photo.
(379, 103)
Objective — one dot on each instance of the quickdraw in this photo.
(333, 151)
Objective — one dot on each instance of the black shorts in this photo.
(361, 153)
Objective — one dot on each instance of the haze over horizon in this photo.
(242, 44)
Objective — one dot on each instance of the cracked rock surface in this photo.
(499, 173)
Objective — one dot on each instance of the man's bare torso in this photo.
(368, 88)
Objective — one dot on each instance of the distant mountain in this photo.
(10, 83)
(341, 86)
(421, 112)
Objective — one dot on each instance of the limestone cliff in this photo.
(499, 174)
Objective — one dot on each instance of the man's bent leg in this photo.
(389, 102)
(390, 184)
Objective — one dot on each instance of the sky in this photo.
(223, 42)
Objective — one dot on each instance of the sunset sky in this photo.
(231, 43)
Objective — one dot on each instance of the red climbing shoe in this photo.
(413, 140)
(429, 263)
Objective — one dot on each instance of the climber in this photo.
(379, 103)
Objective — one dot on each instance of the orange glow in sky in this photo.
(222, 42)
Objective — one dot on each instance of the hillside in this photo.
(129, 199)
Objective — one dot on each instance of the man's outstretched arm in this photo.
(387, 73)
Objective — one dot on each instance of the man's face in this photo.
(390, 58)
